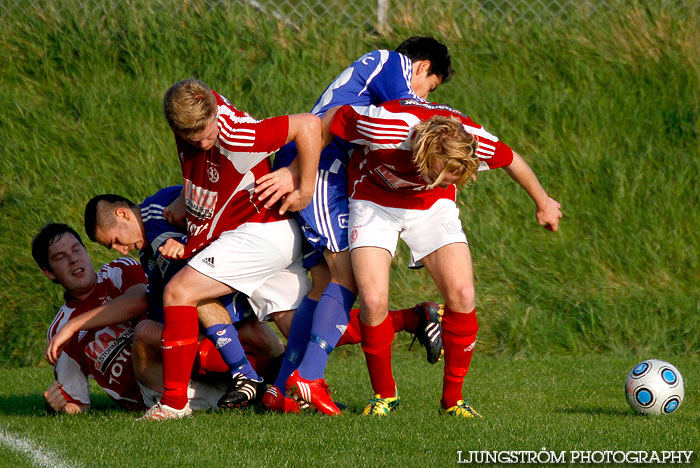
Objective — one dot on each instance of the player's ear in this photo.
(49, 274)
(122, 213)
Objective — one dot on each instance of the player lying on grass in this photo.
(116, 222)
(107, 305)
(417, 67)
(233, 242)
(411, 157)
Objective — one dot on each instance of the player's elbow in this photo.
(305, 126)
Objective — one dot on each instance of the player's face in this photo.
(434, 173)
(422, 83)
(205, 139)
(124, 236)
(71, 266)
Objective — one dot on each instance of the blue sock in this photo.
(225, 338)
(329, 324)
(299, 334)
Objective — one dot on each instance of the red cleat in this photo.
(274, 399)
(313, 392)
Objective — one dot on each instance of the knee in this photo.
(147, 336)
(461, 298)
(175, 293)
(374, 307)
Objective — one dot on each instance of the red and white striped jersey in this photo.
(219, 182)
(381, 168)
(103, 354)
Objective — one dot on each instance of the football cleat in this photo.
(382, 406)
(242, 392)
(161, 412)
(460, 409)
(429, 332)
(274, 399)
(313, 392)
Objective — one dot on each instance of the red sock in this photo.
(458, 339)
(404, 320)
(352, 334)
(179, 347)
(376, 343)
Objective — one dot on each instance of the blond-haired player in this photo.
(404, 173)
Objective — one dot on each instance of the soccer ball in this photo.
(654, 387)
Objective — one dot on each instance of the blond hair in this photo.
(189, 105)
(445, 139)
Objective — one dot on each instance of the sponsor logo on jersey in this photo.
(209, 261)
(196, 229)
(221, 342)
(427, 105)
(221, 333)
(107, 344)
(199, 201)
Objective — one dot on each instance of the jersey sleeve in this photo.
(492, 152)
(392, 79)
(72, 378)
(124, 273)
(372, 126)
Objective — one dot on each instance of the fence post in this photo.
(383, 16)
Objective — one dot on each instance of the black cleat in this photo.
(429, 332)
(242, 392)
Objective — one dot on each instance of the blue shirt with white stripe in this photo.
(374, 78)
(159, 269)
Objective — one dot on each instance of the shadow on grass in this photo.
(15, 405)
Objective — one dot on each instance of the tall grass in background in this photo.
(605, 108)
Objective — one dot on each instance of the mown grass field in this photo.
(557, 403)
(605, 109)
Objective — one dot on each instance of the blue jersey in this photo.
(374, 78)
(159, 269)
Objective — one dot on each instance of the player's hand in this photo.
(276, 185)
(172, 249)
(295, 201)
(55, 347)
(54, 397)
(549, 214)
(175, 212)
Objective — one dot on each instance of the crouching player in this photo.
(403, 180)
(106, 305)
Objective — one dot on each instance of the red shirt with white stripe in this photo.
(103, 354)
(381, 168)
(219, 182)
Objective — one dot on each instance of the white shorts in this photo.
(423, 231)
(281, 292)
(201, 394)
(250, 255)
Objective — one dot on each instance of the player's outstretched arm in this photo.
(273, 186)
(125, 307)
(548, 209)
(56, 401)
(305, 130)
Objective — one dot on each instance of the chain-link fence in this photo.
(376, 14)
